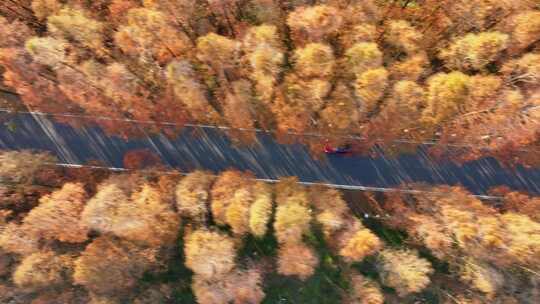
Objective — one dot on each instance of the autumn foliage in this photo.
(330, 67)
(148, 236)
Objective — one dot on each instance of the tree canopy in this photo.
(281, 65)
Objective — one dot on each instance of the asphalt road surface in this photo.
(211, 149)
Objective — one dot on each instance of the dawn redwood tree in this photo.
(402, 35)
(260, 210)
(210, 292)
(13, 34)
(14, 239)
(25, 177)
(526, 29)
(21, 10)
(155, 293)
(363, 56)
(147, 30)
(521, 234)
(58, 215)
(109, 266)
(288, 190)
(484, 278)
(42, 270)
(412, 68)
(237, 213)
(246, 286)
(474, 51)
(266, 64)
(225, 12)
(370, 87)
(263, 51)
(446, 95)
(330, 208)
(523, 71)
(185, 85)
(184, 15)
(23, 166)
(118, 9)
(360, 245)
(341, 113)
(408, 99)
(209, 254)
(73, 24)
(48, 51)
(404, 271)
(101, 211)
(522, 203)
(359, 33)
(432, 234)
(314, 60)
(292, 221)
(223, 191)
(242, 204)
(218, 51)
(314, 23)
(45, 8)
(305, 89)
(297, 259)
(238, 286)
(192, 195)
(364, 291)
(146, 218)
(238, 106)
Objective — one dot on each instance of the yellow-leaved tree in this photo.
(363, 56)
(474, 51)
(70, 23)
(209, 254)
(314, 60)
(292, 222)
(58, 215)
(144, 218)
(404, 270)
(360, 245)
(43, 269)
(192, 195)
(370, 87)
(446, 95)
(526, 29)
(223, 192)
(182, 78)
(402, 35)
(147, 30)
(264, 54)
(147, 218)
(261, 209)
(484, 278)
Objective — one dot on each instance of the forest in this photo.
(452, 73)
(152, 236)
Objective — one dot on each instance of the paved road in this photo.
(212, 150)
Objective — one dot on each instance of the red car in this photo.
(343, 149)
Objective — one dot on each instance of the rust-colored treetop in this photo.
(284, 65)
